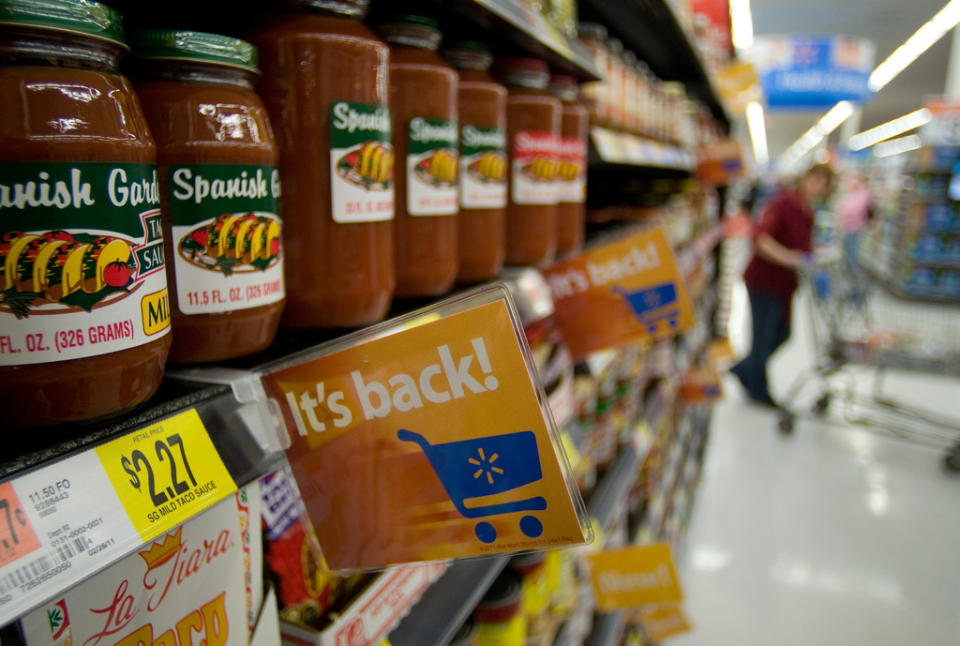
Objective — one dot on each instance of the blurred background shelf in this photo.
(651, 29)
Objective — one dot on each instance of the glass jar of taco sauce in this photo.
(84, 310)
(219, 188)
(533, 129)
(324, 82)
(423, 102)
(596, 93)
(572, 168)
(483, 162)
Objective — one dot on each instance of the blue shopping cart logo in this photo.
(483, 467)
(653, 304)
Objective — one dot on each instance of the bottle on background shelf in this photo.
(219, 191)
(533, 130)
(84, 308)
(325, 84)
(423, 104)
(572, 168)
(483, 162)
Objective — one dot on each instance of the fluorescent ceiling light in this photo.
(889, 129)
(741, 24)
(758, 133)
(897, 146)
(829, 122)
(924, 38)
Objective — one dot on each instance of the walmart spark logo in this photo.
(486, 466)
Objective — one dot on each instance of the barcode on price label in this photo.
(33, 573)
(69, 550)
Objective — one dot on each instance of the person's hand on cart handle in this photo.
(777, 253)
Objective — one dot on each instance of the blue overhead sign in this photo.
(798, 72)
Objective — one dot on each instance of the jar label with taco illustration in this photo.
(483, 168)
(227, 246)
(361, 162)
(534, 167)
(432, 164)
(81, 260)
(572, 170)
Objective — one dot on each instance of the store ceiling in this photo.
(887, 23)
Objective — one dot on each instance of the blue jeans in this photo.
(851, 245)
(771, 328)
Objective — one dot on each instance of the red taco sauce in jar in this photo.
(219, 188)
(571, 179)
(423, 102)
(533, 128)
(84, 310)
(482, 104)
(324, 82)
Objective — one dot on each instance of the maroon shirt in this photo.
(788, 220)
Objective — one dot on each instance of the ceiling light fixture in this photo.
(758, 133)
(741, 24)
(897, 146)
(911, 49)
(889, 129)
(829, 122)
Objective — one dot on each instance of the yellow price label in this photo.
(634, 576)
(664, 620)
(166, 473)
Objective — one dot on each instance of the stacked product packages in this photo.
(199, 582)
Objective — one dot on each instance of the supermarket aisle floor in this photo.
(833, 536)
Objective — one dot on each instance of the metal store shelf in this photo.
(233, 429)
(607, 629)
(650, 28)
(531, 32)
(434, 620)
(612, 147)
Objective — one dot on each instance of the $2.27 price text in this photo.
(162, 473)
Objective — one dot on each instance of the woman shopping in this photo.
(782, 243)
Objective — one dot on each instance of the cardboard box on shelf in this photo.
(183, 587)
(373, 613)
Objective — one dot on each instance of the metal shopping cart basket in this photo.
(857, 323)
(487, 466)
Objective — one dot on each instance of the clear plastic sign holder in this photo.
(423, 438)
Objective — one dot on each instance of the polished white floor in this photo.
(832, 536)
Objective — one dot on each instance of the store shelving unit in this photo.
(448, 602)
(651, 29)
(235, 430)
(531, 32)
(620, 148)
(607, 629)
(242, 433)
(913, 250)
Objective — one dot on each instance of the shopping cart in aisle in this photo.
(486, 466)
(855, 325)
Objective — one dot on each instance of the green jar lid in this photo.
(75, 16)
(466, 46)
(196, 46)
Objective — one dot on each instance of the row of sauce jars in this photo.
(112, 193)
(128, 211)
(630, 97)
(410, 144)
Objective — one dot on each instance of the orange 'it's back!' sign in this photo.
(620, 292)
(427, 441)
